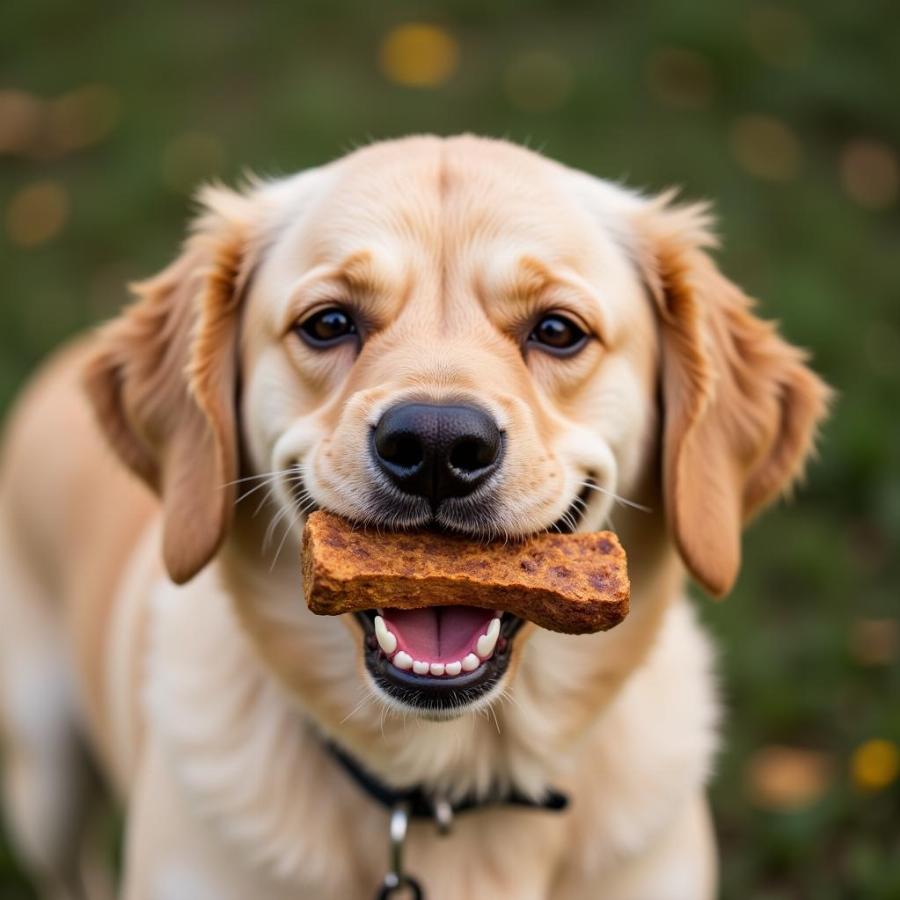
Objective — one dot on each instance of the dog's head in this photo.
(460, 334)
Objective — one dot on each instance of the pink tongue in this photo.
(440, 633)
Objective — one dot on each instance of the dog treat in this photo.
(574, 583)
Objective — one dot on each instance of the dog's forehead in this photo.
(448, 195)
(450, 211)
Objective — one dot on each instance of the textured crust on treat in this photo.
(574, 583)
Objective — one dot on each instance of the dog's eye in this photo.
(558, 334)
(327, 327)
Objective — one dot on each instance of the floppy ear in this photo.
(162, 382)
(740, 405)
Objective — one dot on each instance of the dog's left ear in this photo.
(163, 381)
(740, 405)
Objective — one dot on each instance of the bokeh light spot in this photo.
(190, 158)
(781, 37)
(784, 779)
(538, 81)
(419, 55)
(81, 118)
(680, 78)
(870, 173)
(21, 114)
(37, 213)
(765, 147)
(875, 764)
(875, 642)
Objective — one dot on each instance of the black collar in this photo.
(423, 805)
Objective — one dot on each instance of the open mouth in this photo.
(440, 658)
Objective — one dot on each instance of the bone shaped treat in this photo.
(574, 583)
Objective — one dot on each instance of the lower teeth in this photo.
(485, 645)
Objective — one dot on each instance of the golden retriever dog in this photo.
(448, 333)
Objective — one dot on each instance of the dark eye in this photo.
(558, 334)
(327, 327)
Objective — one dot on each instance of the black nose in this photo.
(436, 451)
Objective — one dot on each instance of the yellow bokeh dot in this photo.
(37, 213)
(875, 764)
(419, 55)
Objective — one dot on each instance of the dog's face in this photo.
(446, 340)
(457, 334)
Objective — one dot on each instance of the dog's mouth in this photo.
(443, 658)
(439, 658)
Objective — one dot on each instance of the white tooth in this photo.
(403, 660)
(486, 643)
(470, 663)
(437, 668)
(386, 640)
(421, 668)
(453, 669)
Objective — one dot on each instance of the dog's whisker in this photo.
(269, 495)
(493, 713)
(507, 695)
(254, 489)
(568, 520)
(272, 474)
(624, 501)
(299, 511)
(366, 698)
(294, 520)
(270, 531)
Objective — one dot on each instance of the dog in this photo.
(332, 340)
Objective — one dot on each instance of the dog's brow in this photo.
(361, 274)
(531, 279)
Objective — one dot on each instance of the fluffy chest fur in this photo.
(250, 761)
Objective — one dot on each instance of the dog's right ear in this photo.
(163, 380)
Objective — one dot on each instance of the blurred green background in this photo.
(786, 115)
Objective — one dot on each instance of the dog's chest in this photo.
(265, 784)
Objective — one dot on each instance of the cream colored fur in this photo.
(206, 704)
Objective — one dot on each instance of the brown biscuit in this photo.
(575, 583)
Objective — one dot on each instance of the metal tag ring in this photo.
(395, 886)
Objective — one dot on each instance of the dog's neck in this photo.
(559, 690)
